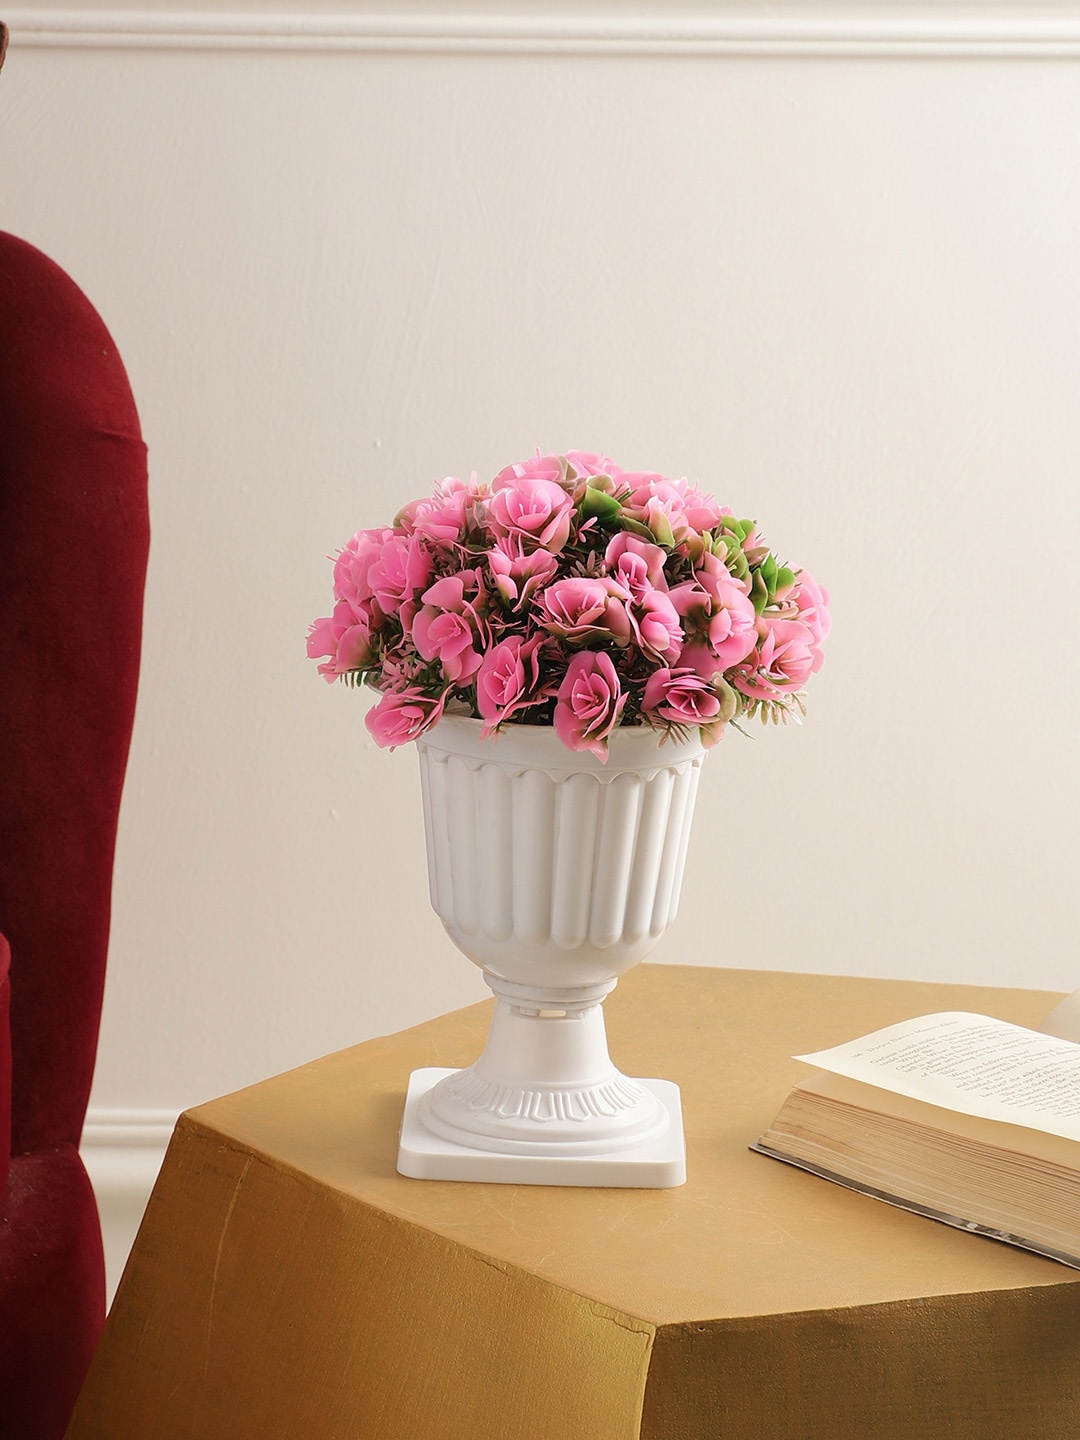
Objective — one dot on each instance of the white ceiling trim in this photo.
(1016, 32)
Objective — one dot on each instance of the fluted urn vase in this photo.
(556, 873)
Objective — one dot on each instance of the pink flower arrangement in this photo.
(573, 593)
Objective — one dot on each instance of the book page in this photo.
(971, 1064)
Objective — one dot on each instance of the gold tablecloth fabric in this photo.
(287, 1282)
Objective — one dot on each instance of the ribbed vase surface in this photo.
(546, 866)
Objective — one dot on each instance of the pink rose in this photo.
(535, 511)
(404, 567)
(722, 588)
(401, 716)
(701, 510)
(450, 622)
(655, 623)
(537, 467)
(812, 602)
(345, 641)
(696, 655)
(637, 564)
(720, 609)
(732, 633)
(352, 569)
(519, 573)
(586, 463)
(672, 509)
(462, 593)
(508, 680)
(590, 703)
(448, 639)
(682, 697)
(584, 610)
(448, 514)
(782, 662)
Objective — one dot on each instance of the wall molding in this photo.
(122, 1151)
(128, 1128)
(1013, 31)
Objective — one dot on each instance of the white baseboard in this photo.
(122, 1151)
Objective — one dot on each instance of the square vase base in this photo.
(657, 1164)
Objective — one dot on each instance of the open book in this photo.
(966, 1119)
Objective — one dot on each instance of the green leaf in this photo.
(768, 573)
(785, 578)
(738, 564)
(728, 697)
(635, 527)
(596, 503)
(739, 528)
(759, 593)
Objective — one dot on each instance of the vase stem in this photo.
(545, 1083)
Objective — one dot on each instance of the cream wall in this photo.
(823, 261)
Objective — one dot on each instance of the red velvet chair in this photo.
(73, 545)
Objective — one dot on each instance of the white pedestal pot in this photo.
(556, 873)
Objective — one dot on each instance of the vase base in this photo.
(655, 1164)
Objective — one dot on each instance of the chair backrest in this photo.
(5, 1062)
(74, 535)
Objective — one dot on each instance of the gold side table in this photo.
(287, 1282)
